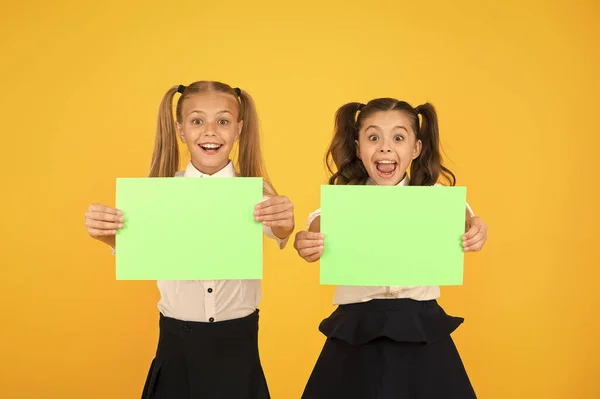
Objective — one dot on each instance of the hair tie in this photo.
(238, 92)
(181, 89)
(360, 106)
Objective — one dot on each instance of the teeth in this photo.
(211, 146)
(386, 161)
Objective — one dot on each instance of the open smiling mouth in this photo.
(386, 168)
(210, 148)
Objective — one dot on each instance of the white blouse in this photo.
(211, 300)
(354, 294)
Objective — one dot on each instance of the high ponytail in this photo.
(341, 153)
(165, 158)
(426, 169)
(250, 156)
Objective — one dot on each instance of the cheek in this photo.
(367, 157)
(233, 132)
(404, 149)
(405, 156)
(369, 166)
(367, 149)
(229, 134)
(191, 133)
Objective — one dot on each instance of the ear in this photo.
(180, 133)
(357, 148)
(239, 131)
(417, 149)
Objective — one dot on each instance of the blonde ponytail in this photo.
(250, 155)
(165, 158)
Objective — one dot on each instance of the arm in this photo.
(281, 241)
(282, 233)
(315, 226)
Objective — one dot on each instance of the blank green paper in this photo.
(392, 236)
(189, 229)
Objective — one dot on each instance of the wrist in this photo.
(282, 232)
(108, 240)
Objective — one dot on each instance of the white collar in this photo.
(403, 182)
(227, 171)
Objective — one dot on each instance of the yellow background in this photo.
(516, 88)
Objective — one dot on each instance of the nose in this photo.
(210, 130)
(385, 147)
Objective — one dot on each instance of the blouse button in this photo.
(209, 290)
(211, 319)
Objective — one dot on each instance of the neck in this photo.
(209, 170)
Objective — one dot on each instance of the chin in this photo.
(381, 179)
(387, 183)
(217, 161)
(213, 161)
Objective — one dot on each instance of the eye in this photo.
(398, 138)
(196, 121)
(372, 138)
(223, 122)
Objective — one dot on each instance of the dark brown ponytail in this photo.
(342, 150)
(427, 167)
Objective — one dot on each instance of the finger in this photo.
(101, 233)
(98, 225)
(307, 252)
(475, 246)
(283, 224)
(306, 239)
(105, 209)
(272, 209)
(478, 237)
(309, 235)
(472, 232)
(104, 217)
(276, 216)
(272, 201)
(306, 244)
(314, 258)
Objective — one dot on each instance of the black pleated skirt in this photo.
(389, 349)
(197, 360)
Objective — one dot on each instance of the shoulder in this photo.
(179, 173)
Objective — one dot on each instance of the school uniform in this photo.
(208, 343)
(388, 343)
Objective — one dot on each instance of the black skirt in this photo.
(389, 349)
(197, 360)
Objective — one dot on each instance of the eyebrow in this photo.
(197, 111)
(395, 127)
